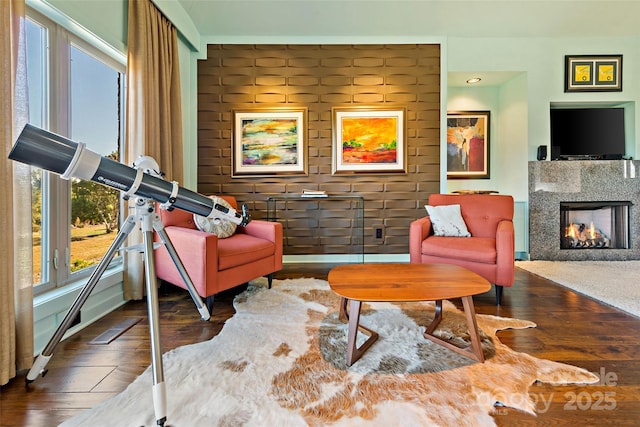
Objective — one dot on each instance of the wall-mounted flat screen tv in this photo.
(587, 133)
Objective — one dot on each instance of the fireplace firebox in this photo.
(595, 225)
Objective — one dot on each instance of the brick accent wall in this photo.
(320, 77)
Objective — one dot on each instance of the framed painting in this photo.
(369, 140)
(468, 145)
(593, 73)
(269, 142)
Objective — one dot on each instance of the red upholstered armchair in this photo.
(214, 264)
(489, 251)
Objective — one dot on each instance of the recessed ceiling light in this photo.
(474, 80)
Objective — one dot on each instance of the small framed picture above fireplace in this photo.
(593, 73)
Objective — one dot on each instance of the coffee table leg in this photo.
(472, 324)
(353, 317)
(343, 316)
(436, 319)
(474, 351)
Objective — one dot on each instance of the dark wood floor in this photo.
(571, 329)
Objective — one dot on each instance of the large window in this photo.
(75, 91)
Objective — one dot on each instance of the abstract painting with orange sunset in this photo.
(369, 140)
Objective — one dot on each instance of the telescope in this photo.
(69, 159)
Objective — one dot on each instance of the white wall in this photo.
(512, 130)
(189, 90)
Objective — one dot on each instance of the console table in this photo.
(356, 202)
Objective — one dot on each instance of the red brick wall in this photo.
(320, 77)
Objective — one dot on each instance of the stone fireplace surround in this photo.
(552, 182)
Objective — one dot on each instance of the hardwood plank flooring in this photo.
(571, 328)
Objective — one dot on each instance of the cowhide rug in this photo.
(280, 361)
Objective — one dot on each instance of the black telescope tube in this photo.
(120, 176)
(52, 152)
(43, 149)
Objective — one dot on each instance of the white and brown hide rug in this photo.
(280, 361)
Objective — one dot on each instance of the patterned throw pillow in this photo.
(447, 221)
(220, 226)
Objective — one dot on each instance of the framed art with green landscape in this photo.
(468, 145)
(269, 142)
(369, 140)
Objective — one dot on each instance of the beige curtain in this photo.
(154, 117)
(16, 293)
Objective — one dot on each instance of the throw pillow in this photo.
(447, 221)
(219, 226)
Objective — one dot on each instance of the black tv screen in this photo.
(587, 133)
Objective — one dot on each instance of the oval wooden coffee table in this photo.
(357, 283)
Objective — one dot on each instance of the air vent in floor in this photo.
(115, 331)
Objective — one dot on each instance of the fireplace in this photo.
(605, 192)
(594, 225)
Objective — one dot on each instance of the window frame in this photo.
(56, 214)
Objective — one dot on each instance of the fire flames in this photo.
(582, 236)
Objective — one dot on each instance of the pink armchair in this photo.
(214, 264)
(489, 251)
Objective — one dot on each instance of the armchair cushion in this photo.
(447, 221)
(221, 227)
(243, 249)
(477, 249)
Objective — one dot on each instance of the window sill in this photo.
(110, 277)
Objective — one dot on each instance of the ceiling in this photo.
(453, 18)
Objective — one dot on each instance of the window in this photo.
(76, 91)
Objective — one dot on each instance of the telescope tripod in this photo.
(149, 220)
